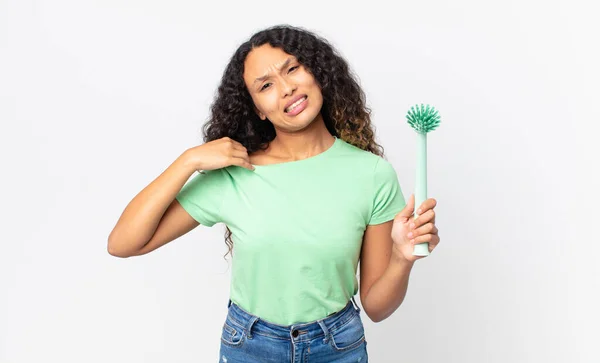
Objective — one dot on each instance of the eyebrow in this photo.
(285, 64)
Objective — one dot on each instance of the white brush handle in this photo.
(421, 249)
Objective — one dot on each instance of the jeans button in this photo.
(295, 333)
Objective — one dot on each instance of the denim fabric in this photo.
(338, 338)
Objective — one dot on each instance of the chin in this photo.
(304, 122)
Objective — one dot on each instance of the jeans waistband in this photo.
(252, 324)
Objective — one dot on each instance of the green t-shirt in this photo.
(297, 227)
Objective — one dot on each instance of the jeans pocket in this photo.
(350, 335)
(232, 335)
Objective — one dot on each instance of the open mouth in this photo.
(295, 106)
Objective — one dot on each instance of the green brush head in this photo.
(424, 119)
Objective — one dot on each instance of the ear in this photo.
(260, 114)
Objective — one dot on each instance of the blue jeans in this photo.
(337, 338)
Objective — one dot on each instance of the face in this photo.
(283, 90)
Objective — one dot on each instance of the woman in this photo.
(291, 167)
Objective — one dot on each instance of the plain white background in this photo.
(97, 98)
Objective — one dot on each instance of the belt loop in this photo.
(249, 326)
(355, 305)
(229, 303)
(325, 330)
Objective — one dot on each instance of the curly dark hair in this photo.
(344, 109)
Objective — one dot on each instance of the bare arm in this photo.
(383, 278)
(153, 217)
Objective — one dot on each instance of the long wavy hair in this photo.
(344, 109)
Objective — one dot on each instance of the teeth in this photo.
(295, 104)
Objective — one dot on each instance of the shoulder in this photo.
(366, 160)
(358, 154)
(203, 180)
(212, 179)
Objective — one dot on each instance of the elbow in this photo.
(374, 317)
(114, 252)
(378, 313)
(376, 320)
(113, 248)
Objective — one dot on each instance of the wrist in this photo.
(397, 258)
(184, 162)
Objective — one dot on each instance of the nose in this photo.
(287, 87)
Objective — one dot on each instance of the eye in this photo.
(265, 86)
(293, 69)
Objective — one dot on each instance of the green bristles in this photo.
(423, 120)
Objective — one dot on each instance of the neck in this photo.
(311, 141)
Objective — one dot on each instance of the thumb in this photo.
(409, 208)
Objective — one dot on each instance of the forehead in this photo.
(263, 59)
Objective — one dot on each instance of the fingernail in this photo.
(410, 235)
(412, 225)
(419, 211)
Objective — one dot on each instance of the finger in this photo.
(422, 239)
(237, 153)
(235, 144)
(243, 162)
(427, 205)
(239, 146)
(408, 209)
(435, 240)
(429, 228)
(427, 217)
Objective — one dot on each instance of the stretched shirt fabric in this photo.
(297, 227)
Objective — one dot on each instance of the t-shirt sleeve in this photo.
(203, 195)
(387, 194)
